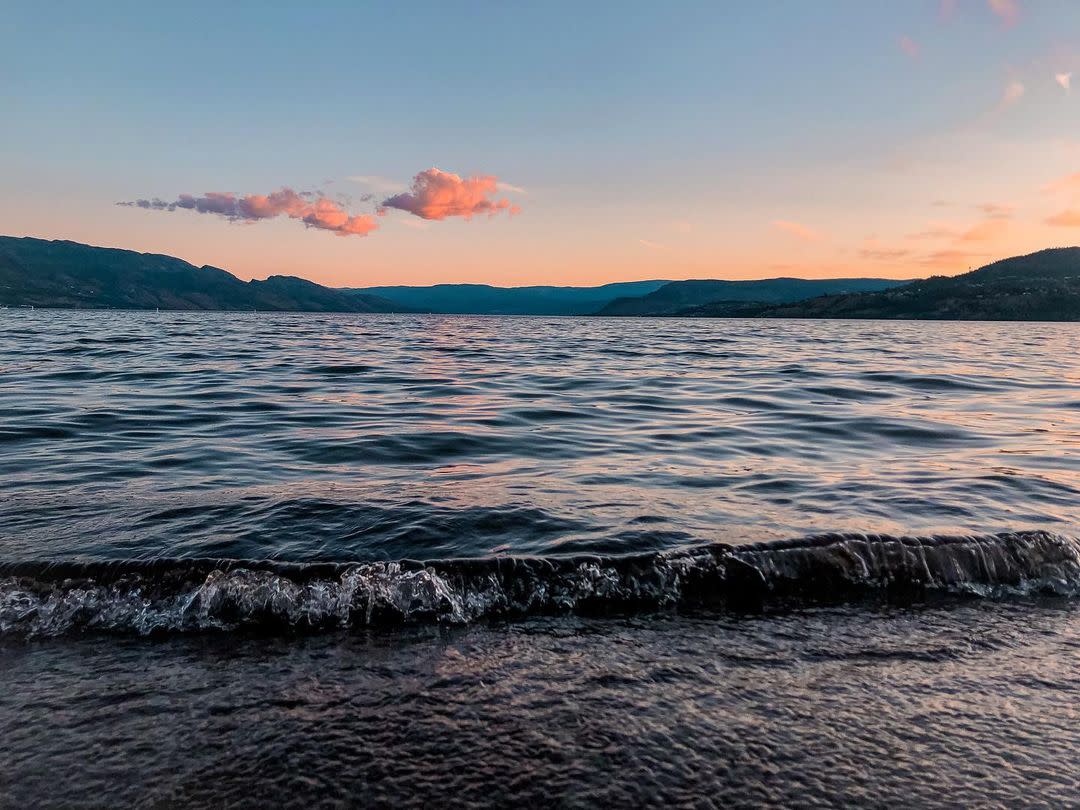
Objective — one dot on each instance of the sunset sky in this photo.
(574, 143)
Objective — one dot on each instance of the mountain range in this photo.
(1041, 286)
(483, 299)
(41, 273)
(682, 297)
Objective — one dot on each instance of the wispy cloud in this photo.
(984, 231)
(936, 230)
(1065, 80)
(311, 208)
(1011, 93)
(1008, 11)
(996, 210)
(501, 186)
(1070, 218)
(413, 224)
(909, 46)
(1068, 183)
(436, 194)
(798, 230)
(381, 185)
(651, 245)
(881, 254)
(952, 259)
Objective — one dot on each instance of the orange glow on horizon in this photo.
(905, 229)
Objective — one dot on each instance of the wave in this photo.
(42, 599)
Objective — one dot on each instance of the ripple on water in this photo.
(715, 429)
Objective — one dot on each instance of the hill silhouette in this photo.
(1041, 286)
(44, 273)
(484, 299)
(676, 297)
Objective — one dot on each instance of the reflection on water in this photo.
(973, 705)
(383, 437)
(286, 439)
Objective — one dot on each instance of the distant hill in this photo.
(43, 273)
(1043, 286)
(482, 299)
(678, 297)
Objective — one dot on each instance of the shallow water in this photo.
(419, 560)
(972, 705)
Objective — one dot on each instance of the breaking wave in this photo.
(172, 595)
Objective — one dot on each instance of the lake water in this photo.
(403, 559)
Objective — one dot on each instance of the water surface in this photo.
(973, 705)
(340, 437)
(419, 560)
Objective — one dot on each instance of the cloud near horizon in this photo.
(984, 231)
(313, 209)
(952, 259)
(1070, 218)
(995, 225)
(798, 230)
(1068, 183)
(436, 194)
(882, 254)
(996, 210)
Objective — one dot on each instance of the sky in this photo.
(360, 144)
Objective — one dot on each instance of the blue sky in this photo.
(640, 139)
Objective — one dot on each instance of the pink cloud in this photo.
(996, 210)
(952, 259)
(985, 231)
(436, 194)
(1065, 80)
(1008, 11)
(314, 210)
(876, 254)
(1066, 219)
(798, 230)
(936, 230)
(1070, 182)
(909, 46)
(1012, 92)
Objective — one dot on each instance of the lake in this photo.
(571, 561)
